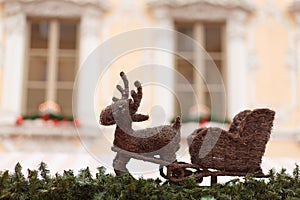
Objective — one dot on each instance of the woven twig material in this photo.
(162, 140)
(238, 150)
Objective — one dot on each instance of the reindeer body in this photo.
(162, 140)
(148, 141)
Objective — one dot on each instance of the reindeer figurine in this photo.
(158, 144)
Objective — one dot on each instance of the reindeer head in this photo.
(123, 111)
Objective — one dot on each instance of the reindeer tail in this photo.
(177, 123)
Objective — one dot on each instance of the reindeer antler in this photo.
(107, 115)
(137, 97)
(124, 92)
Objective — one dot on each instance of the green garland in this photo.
(47, 117)
(41, 185)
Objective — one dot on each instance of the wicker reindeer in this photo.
(161, 141)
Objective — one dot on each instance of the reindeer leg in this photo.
(120, 163)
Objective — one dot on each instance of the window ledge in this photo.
(39, 128)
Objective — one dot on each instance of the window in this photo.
(52, 59)
(210, 36)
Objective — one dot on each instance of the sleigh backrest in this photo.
(257, 122)
(236, 122)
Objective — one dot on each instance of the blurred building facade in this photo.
(254, 44)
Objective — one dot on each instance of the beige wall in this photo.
(276, 84)
(271, 81)
(1, 80)
(2, 38)
(117, 20)
(126, 15)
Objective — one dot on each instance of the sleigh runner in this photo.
(214, 151)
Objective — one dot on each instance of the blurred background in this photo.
(255, 45)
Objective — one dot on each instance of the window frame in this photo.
(15, 14)
(235, 14)
(52, 53)
(198, 30)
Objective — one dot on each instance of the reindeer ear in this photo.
(106, 117)
(114, 99)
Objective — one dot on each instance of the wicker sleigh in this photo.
(238, 150)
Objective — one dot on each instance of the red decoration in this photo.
(64, 121)
(204, 120)
(19, 120)
(76, 122)
(45, 117)
(55, 122)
